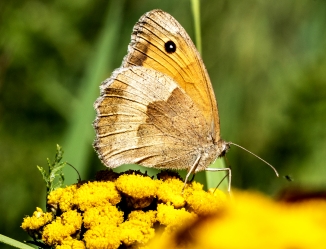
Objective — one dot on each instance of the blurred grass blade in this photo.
(56, 95)
(195, 7)
(212, 178)
(80, 134)
(14, 243)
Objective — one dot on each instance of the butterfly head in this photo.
(224, 146)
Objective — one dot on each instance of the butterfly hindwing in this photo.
(142, 116)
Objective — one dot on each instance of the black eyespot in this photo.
(170, 47)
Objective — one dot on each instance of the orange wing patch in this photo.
(185, 66)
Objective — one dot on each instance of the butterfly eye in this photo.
(170, 47)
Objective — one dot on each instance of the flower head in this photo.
(93, 194)
(103, 236)
(170, 191)
(71, 244)
(62, 198)
(139, 190)
(38, 220)
(108, 214)
(138, 228)
(66, 225)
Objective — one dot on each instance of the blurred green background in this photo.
(266, 60)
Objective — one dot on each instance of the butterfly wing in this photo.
(144, 117)
(185, 66)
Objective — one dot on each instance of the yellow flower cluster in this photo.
(127, 209)
(61, 229)
(132, 210)
(33, 224)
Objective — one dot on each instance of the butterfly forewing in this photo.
(184, 66)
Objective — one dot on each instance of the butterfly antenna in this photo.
(257, 157)
(79, 180)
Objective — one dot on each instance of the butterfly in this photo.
(159, 109)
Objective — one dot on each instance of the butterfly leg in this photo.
(192, 170)
(224, 169)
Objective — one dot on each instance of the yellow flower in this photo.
(170, 191)
(139, 190)
(62, 228)
(71, 244)
(137, 186)
(173, 218)
(149, 216)
(72, 219)
(195, 219)
(62, 197)
(55, 233)
(38, 220)
(136, 231)
(194, 186)
(102, 215)
(105, 236)
(252, 221)
(93, 194)
(205, 203)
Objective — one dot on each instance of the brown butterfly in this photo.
(159, 109)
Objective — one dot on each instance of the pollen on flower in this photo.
(38, 220)
(205, 203)
(94, 194)
(62, 197)
(103, 236)
(71, 244)
(55, 233)
(137, 186)
(149, 216)
(191, 187)
(219, 194)
(173, 218)
(170, 191)
(138, 190)
(102, 215)
(72, 219)
(136, 231)
(62, 228)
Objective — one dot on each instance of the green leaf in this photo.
(54, 178)
(14, 243)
